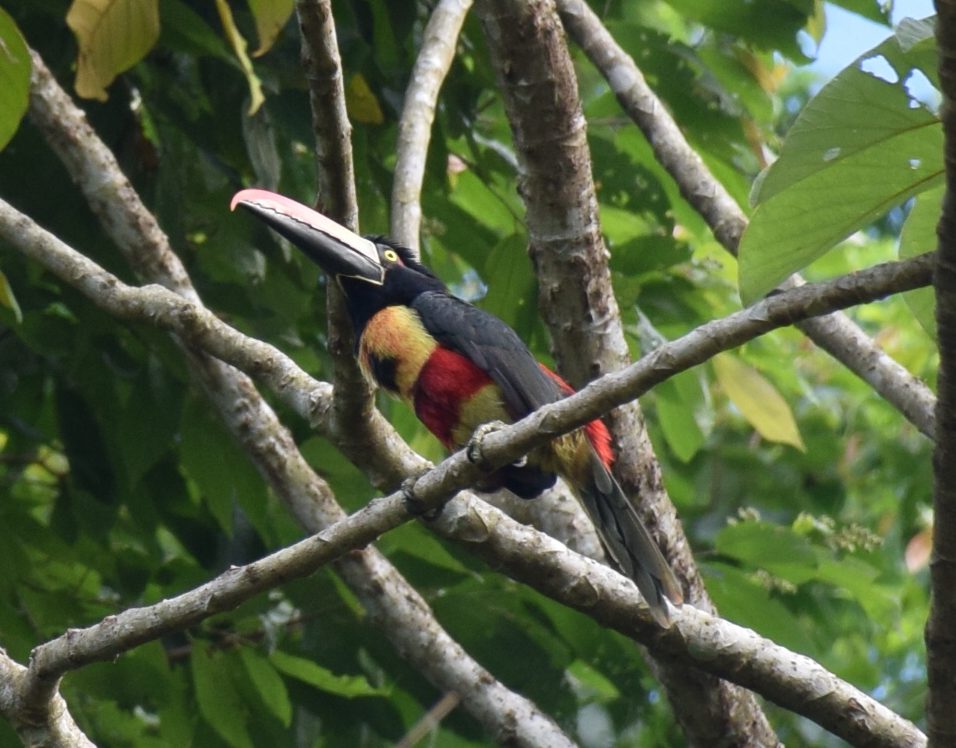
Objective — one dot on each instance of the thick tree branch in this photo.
(941, 625)
(526, 556)
(43, 722)
(836, 334)
(418, 112)
(156, 306)
(577, 301)
(392, 603)
(697, 638)
(713, 645)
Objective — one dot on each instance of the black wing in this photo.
(492, 346)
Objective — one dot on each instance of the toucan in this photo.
(460, 368)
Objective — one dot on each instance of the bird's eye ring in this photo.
(391, 255)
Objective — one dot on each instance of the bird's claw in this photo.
(474, 450)
(414, 505)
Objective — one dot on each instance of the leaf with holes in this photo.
(863, 145)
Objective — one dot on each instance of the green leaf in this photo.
(511, 289)
(15, 67)
(586, 677)
(677, 401)
(221, 470)
(861, 146)
(112, 35)
(919, 236)
(315, 675)
(217, 696)
(770, 24)
(766, 546)
(268, 684)
(271, 17)
(757, 400)
(744, 601)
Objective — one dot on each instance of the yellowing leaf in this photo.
(238, 43)
(757, 400)
(113, 35)
(361, 102)
(7, 298)
(271, 16)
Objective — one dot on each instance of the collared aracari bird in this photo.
(459, 368)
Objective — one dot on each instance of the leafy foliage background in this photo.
(119, 488)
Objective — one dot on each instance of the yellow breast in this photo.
(393, 349)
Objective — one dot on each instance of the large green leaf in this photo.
(862, 146)
(15, 69)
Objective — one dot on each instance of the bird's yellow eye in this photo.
(391, 255)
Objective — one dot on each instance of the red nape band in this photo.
(596, 431)
(447, 380)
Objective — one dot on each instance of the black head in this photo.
(373, 272)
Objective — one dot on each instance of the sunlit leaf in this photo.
(112, 35)
(15, 69)
(757, 400)
(239, 48)
(271, 17)
(861, 146)
(362, 104)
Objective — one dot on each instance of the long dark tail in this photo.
(627, 542)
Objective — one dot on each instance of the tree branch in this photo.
(837, 335)
(41, 722)
(539, 87)
(161, 308)
(393, 605)
(418, 112)
(527, 555)
(940, 631)
(697, 638)
(353, 411)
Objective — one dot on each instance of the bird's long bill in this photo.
(338, 251)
